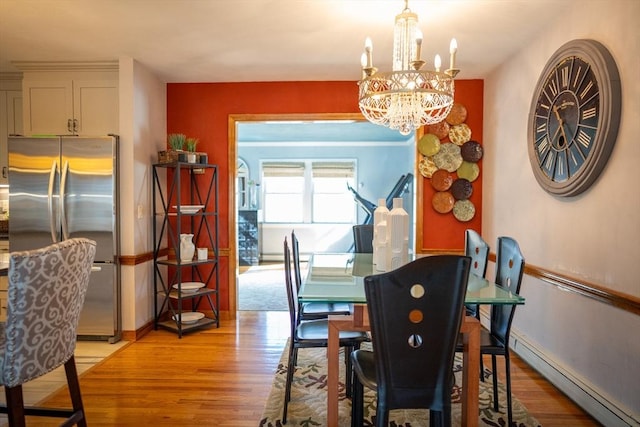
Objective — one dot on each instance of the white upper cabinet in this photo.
(10, 124)
(70, 103)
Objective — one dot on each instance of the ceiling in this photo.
(264, 40)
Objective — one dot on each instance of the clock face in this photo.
(574, 118)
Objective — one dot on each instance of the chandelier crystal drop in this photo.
(407, 97)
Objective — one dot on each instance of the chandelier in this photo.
(407, 97)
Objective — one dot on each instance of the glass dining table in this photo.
(339, 277)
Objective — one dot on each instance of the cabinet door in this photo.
(48, 107)
(10, 124)
(95, 105)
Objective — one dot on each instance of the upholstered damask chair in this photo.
(46, 292)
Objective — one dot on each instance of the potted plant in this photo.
(176, 142)
(191, 148)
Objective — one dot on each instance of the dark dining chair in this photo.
(45, 295)
(495, 340)
(363, 238)
(478, 250)
(311, 333)
(314, 310)
(415, 313)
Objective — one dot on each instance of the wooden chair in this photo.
(46, 293)
(314, 310)
(310, 333)
(415, 313)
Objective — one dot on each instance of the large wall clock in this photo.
(574, 117)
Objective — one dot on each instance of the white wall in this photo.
(143, 124)
(593, 236)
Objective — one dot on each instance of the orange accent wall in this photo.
(201, 110)
(443, 232)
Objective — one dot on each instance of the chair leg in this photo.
(357, 403)
(507, 364)
(348, 371)
(15, 406)
(382, 414)
(74, 390)
(494, 366)
(291, 366)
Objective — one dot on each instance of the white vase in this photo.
(187, 247)
(379, 235)
(397, 236)
(191, 157)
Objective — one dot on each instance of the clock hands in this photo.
(560, 127)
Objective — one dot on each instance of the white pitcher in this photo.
(187, 247)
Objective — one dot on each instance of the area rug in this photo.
(308, 403)
(262, 288)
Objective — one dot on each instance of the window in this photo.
(308, 191)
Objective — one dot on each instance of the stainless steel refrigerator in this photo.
(65, 187)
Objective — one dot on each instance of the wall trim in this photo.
(575, 387)
(133, 260)
(591, 290)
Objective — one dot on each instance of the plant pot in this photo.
(191, 157)
(182, 157)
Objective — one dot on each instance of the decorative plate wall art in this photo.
(450, 161)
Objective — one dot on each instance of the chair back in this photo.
(46, 293)
(509, 271)
(363, 238)
(478, 250)
(415, 313)
(292, 291)
(295, 251)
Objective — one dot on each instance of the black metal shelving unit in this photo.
(177, 188)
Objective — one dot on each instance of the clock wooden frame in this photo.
(574, 117)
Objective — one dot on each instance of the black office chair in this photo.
(310, 333)
(314, 310)
(495, 341)
(478, 250)
(415, 313)
(363, 238)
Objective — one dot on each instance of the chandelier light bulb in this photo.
(368, 49)
(418, 44)
(437, 63)
(453, 48)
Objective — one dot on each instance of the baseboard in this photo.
(576, 388)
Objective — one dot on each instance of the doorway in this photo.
(364, 145)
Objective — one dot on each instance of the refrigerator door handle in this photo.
(52, 223)
(63, 202)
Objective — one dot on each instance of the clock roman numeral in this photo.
(542, 128)
(553, 87)
(586, 89)
(564, 73)
(577, 78)
(584, 139)
(588, 113)
(543, 147)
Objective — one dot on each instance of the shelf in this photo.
(185, 201)
(172, 325)
(187, 295)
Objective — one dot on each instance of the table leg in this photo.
(470, 330)
(333, 372)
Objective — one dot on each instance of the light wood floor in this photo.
(221, 377)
